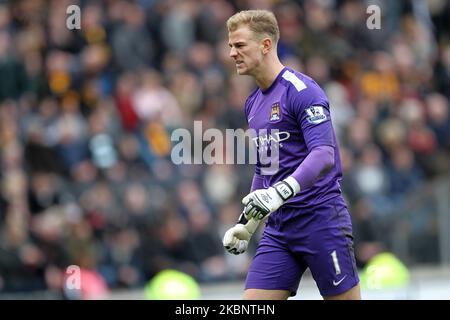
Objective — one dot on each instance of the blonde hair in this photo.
(261, 22)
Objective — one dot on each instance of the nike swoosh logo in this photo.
(336, 283)
(250, 119)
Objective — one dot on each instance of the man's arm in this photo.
(262, 202)
(316, 164)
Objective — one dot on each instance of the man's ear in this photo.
(266, 45)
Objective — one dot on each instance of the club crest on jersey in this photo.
(315, 115)
(275, 112)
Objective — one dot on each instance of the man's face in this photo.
(245, 50)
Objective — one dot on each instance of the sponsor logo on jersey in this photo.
(265, 140)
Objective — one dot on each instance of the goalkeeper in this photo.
(308, 224)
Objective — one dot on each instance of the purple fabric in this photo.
(315, 236)
(257, 182)
(298, 109)
(316, 163)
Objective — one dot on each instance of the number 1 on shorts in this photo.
(335, 262)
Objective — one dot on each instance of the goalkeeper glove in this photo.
(262, 202)
(236, 239)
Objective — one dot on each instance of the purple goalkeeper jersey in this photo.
(293, 116)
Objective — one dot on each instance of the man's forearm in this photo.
(262, 202)
(318, 162)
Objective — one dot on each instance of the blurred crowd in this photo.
(86, 117)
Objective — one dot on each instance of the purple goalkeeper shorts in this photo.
(294, 239)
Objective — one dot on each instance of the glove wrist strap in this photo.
(284, 190)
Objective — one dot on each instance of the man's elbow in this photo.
(327, 154)
(331, 160)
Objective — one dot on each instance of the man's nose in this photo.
(233, 52)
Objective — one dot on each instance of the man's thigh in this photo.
(260, 294)
(331, 257)
(273, 269)
(351, 294)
